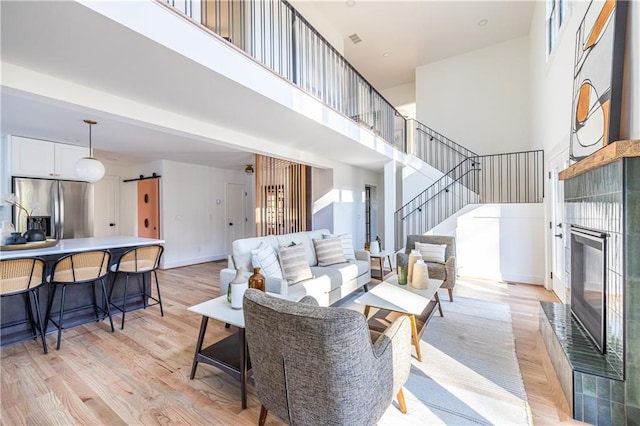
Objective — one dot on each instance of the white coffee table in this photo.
(229, 354)
(418, 304)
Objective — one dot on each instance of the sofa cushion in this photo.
(432, 252)
(329, 251)
(265, 258)
(347, 244)
(295, 266)
(303, 239)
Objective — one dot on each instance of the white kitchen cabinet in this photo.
(37, 158)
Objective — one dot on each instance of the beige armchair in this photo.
(446, 271)
(318, 366)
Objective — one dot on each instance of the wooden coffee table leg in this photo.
(366, 311)
(414, 337)
(203, 329)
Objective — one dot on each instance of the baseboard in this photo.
(192, 261)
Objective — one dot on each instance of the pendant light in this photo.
(88, 168)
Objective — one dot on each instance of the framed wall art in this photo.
(597, 78)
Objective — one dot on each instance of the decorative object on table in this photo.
(28, 245)
(257, 280)
(88, 168)
(402, 274)
(413, 258)
(15, 238)
(237, 287)
(420, 277)
(5, 231)
(34, 231)
(374, 247)
(12, 199)
(379, 240)
(597, 78)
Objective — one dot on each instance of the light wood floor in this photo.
(140, 375)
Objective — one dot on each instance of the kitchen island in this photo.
(12, 310)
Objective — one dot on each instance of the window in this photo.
(556, 11)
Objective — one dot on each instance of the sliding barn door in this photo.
(149, 208)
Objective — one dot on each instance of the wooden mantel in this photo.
(606, 155)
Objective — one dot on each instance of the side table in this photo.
(229, 354)
(381, 257)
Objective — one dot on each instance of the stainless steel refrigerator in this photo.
(64, 208)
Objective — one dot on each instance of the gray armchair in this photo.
(318, 366)
(446, 272)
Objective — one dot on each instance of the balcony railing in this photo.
(275, 34)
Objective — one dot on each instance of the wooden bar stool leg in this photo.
(401, 402)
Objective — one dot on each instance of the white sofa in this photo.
(330, 283)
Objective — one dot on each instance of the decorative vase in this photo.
(420, 278)
(402, 274)
(414, 256)
(34, 230)
(257, 280)
(5, 231)
(374, 247)
(237, 287)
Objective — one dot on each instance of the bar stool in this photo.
(137, 261)
(80, 269)
(25, 276)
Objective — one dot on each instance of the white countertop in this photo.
(81, 244)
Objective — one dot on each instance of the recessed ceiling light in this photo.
(385, 54)
(350, 3)
(483, 22)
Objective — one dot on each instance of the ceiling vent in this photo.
(355, 38)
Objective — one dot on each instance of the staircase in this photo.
(469, 178)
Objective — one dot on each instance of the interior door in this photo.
(107, 207)
(236, 212)
(557, 227)
(149, 208)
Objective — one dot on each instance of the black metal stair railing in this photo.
(434, 148)
(275, 34)
(516, 177)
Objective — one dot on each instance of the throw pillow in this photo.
(347, 245)
(329, 251)
(265, 258)
(295, 267)
(432, 252)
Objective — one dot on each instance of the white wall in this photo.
(479, 99)
(193, 225)
(495, 242)
(338, 202)
(400, 95)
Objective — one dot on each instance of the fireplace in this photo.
(588, 282)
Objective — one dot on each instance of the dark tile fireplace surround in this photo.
(602, 194)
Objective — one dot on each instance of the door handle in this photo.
(112, 224)
(230, 223)
(558, 235)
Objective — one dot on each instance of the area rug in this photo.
(469, 373)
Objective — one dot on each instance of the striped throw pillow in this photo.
(432, 252)
(347, 245)
(265, 258)
(293, 260)
(329, 251)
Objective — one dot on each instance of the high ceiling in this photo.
(398, 36)
(33, 32)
